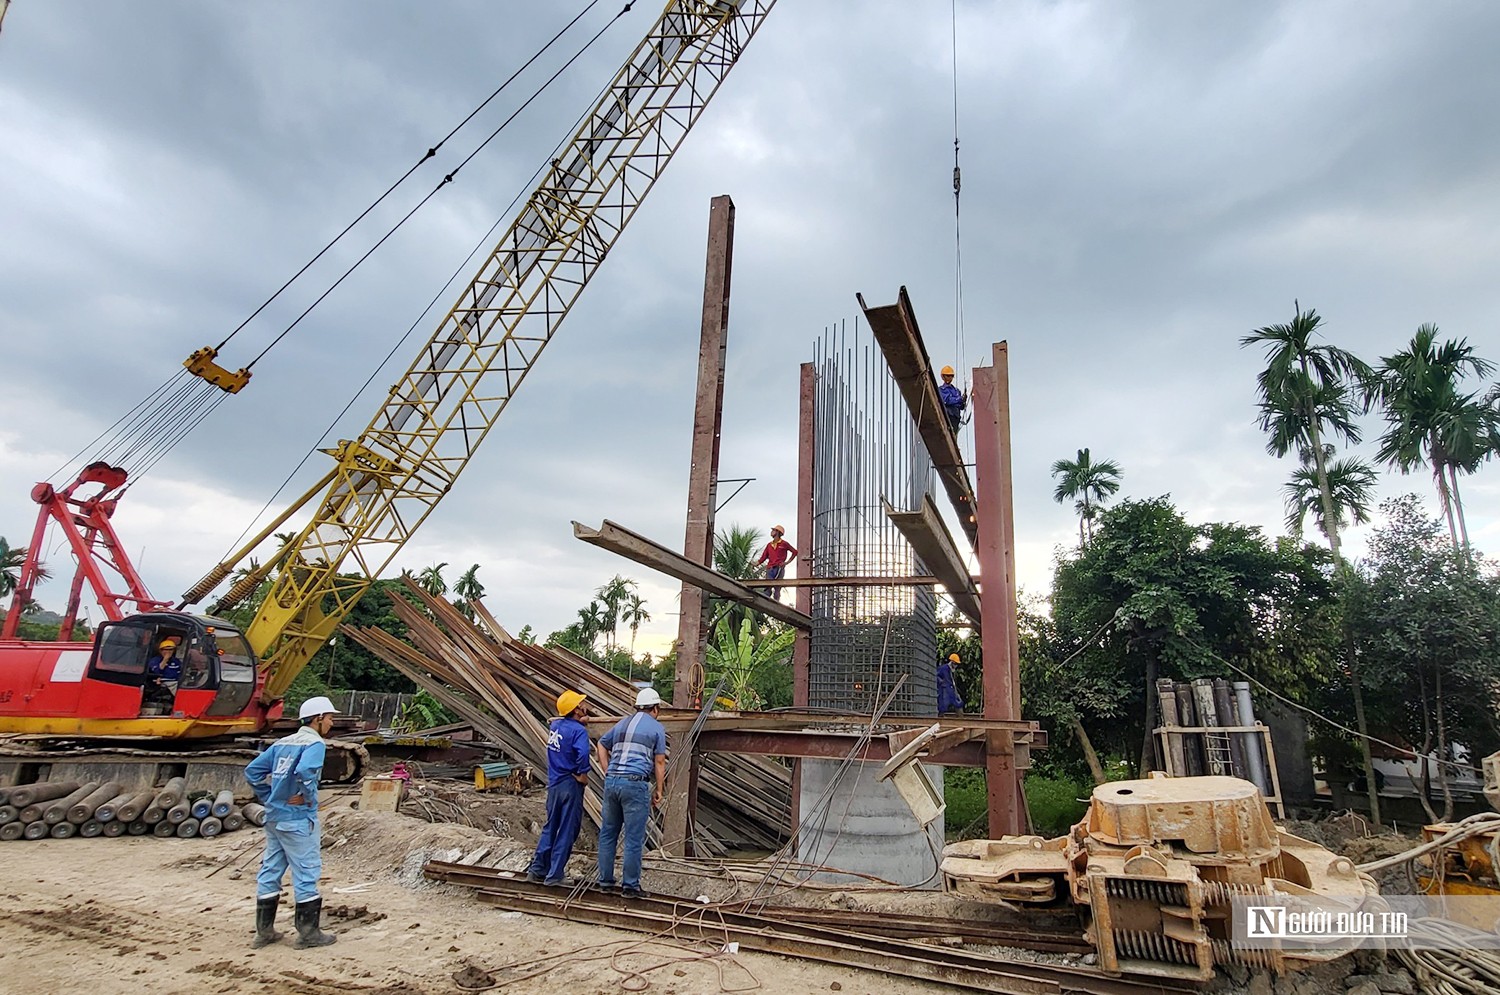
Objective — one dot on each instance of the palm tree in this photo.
(12, 558)
(1351, 482)
(744, 655)
(431, 580)
(633, 614)
(1091, 483)
(734, 557)
(1429, 423)
(468, 589)
(1304, 391)
(590, 623)
(613, 595)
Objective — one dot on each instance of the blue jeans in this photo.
(626, 802)
(295, 844)
(564, 816)
(775, 573)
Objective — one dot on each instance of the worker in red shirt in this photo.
(775, 556)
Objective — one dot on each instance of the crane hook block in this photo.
(201, 364)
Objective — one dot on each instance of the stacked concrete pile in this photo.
(67, 808)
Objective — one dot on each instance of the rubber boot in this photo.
(308, 933)
(265, 921)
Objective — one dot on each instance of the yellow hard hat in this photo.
(568, 702)
(947, 371)
(953, 658)
(169, 641)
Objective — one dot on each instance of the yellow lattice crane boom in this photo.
(386, 482)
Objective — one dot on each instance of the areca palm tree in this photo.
(590, 623)
(431, 580)
(1430, 422)
(1090, 483)
(1351, 481)
(734, 556)
(633, 613)
(1305, 392)
(468, 589)
(12, 558)
(612, 595)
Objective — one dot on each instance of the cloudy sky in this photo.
(1144, 182)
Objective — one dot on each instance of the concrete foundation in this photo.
(867, 828)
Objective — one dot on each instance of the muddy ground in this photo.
(168, 916)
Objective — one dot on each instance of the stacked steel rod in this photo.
(62, 809)
(507, 690)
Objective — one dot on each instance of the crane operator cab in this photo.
(184, 665)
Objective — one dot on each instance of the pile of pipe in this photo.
(58, 810)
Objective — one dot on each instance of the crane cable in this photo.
(170, 412)
(483, 241)
(959, 345)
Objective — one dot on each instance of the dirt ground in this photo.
(134, 915)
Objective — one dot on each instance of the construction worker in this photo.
(947, 690)
(163, 671)
(568, 756)
(285, 781)
(633, 754)
(775, 556)
(953, 400)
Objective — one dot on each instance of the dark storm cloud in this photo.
(1143, 183)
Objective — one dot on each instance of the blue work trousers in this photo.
(627, 804)
(295, 844)
(564, 816)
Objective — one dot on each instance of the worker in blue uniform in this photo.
(568, 758)
(947, 689)
(285, 780)
(163, 671)
(953, 400)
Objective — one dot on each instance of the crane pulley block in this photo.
(201, 364)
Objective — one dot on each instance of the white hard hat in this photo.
(647, 698)
(318, 705)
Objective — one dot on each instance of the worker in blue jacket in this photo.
(285, 780)
(568, 755)
(953, 400)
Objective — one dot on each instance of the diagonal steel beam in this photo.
(925, 530)
(895, 328)
(633, 546)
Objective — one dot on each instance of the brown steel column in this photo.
(997, 602)
(708, 416)
(703, 484)
(801, 648)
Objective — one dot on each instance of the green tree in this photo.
(734, 556)
(468, 589)
(1426, 620)
(1305, 393)
(1089, 484)
(1351, 481)
(611, 598)
(1430, 423)
(12, 558)
(633, 613)
(1155, 596)
(745, 657)
(431, 580)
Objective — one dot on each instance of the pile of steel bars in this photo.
(908, 946)
(507, 690)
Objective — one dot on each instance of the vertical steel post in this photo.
(703, 480)
(990, 404)
(801, 648)
(708, 416)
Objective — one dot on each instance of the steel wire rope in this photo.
(152, 398)
(147, 422)
(165, 427)
(429, 154)
(447, 179)
(959, 342)
(439, 295)
(116, 426)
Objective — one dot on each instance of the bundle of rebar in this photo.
(507, 690)
(63, 809)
